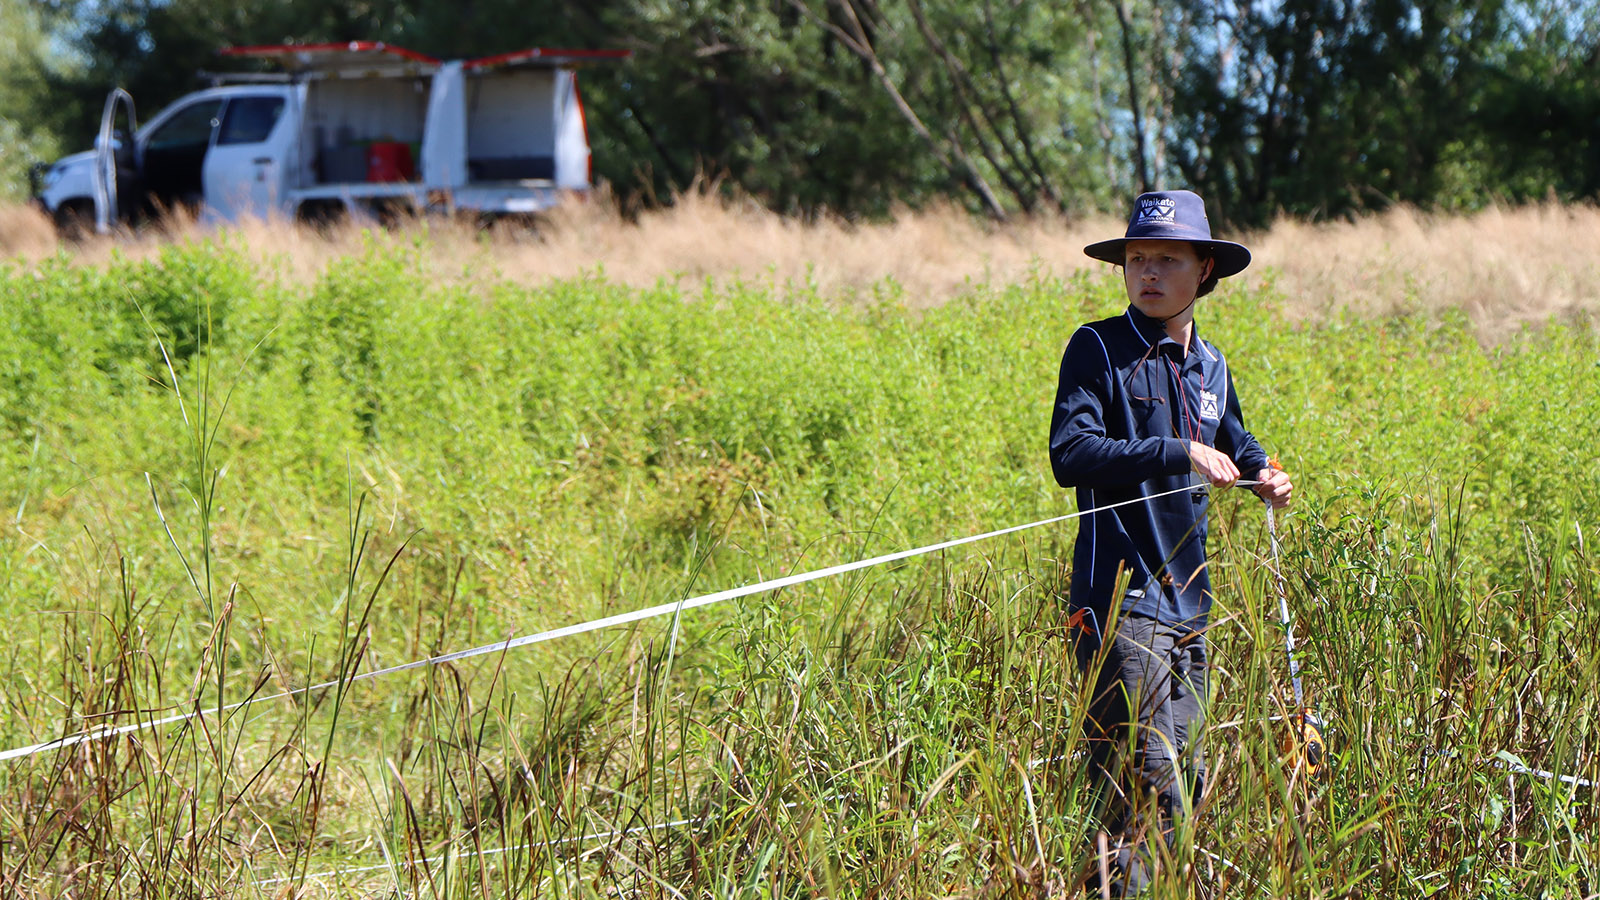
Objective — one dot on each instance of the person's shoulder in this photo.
(1107, 322)
(1212, 351)
(1091, 336)
(1098, 346)
(1104, 329)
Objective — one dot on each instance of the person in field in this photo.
(1144, 403)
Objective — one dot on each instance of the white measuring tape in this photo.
(678, 823)
(477, 854)
(580, 628)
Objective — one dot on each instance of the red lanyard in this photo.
(1188, 421)
(1185, 424)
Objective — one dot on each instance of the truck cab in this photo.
(218, 150)
(341, 128)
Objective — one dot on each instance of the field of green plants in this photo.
(219, 481)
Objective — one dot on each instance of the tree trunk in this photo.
(1102, 125)
(1133, 95)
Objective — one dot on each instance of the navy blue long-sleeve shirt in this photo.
(1128, 400)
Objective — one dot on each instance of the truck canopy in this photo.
(510, 117)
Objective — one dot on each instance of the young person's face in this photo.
(1163, 276)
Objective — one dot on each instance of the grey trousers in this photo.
(1143, 726)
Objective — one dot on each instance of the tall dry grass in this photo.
(1502, 267)
(25, 232)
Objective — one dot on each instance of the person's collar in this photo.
(1154, 331)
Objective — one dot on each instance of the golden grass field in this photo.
(1503, 267)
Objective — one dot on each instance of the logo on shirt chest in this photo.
(1208, 406)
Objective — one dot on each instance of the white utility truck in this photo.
(343, 128)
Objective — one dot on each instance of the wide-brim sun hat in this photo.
(1173, 216)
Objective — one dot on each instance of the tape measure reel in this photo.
(1304, 746)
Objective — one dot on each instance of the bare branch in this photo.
(1018, 123)
(966, 101)
(952, 159)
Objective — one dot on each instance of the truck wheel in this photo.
(514, 226)
(390, 213)
(322, 215)
(74, 220)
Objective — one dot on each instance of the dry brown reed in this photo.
(1503, 267)
(25, 232)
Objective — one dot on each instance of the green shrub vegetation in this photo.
(218, 481)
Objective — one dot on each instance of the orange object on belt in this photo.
(1076, 621)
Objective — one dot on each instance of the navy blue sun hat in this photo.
(1173, 216)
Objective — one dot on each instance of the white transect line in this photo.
(496, 851)
(1226, 863)
(1546, 774)
(607, 835)
(1494, 762)
(331, 873)
(584, 627)
(599, 835)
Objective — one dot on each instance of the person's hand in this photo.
(1213, 465)
(1275, 487)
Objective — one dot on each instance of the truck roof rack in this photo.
(357, 55)
(217, 79)
(375, 58)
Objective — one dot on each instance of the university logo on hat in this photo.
(1173, 216)
(1156, 208)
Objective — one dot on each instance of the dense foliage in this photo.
(1312, 107)
(207, 468)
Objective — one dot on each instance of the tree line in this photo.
(1314, 108)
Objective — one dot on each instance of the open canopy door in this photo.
(543, 57)
(525, 120)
